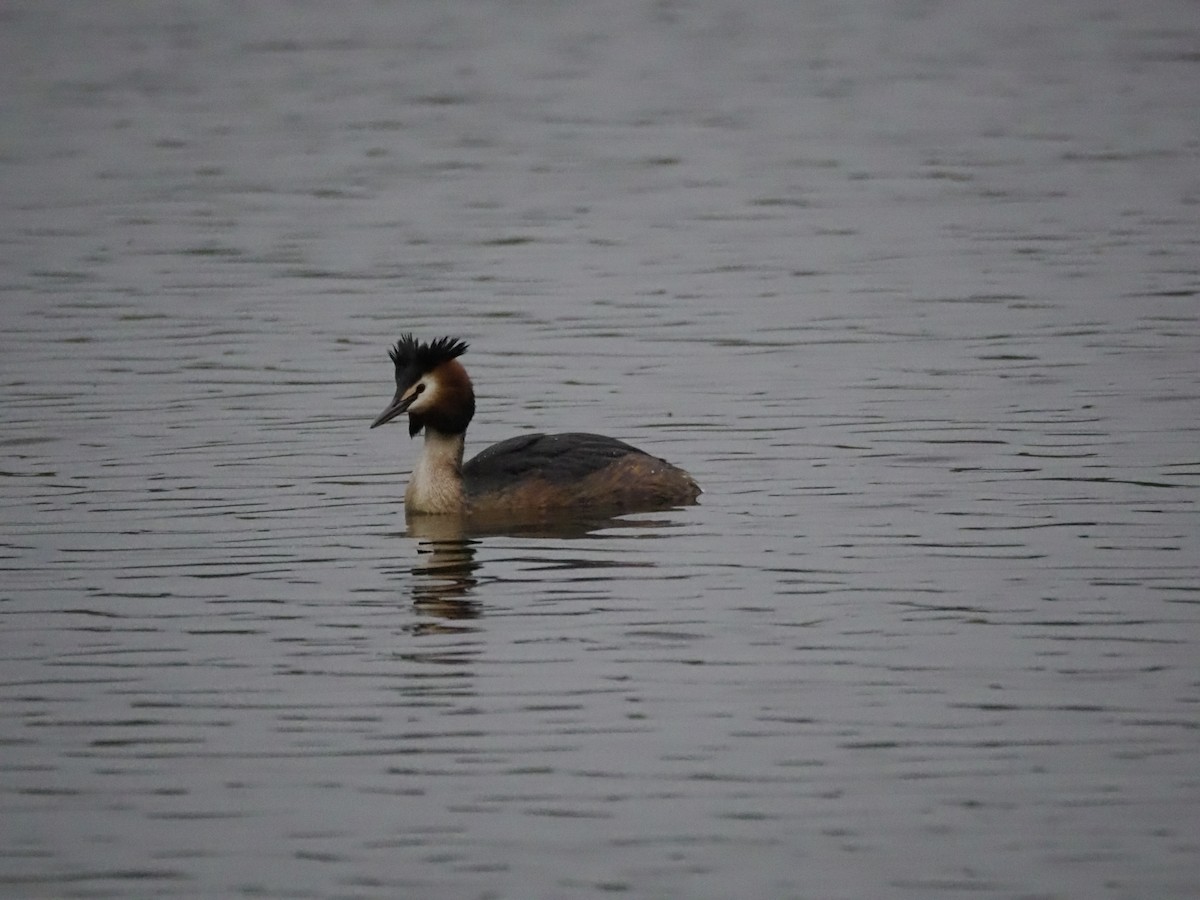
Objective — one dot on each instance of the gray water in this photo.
(911, 288)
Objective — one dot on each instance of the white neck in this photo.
(436, 485)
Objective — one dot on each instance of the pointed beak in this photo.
(399, 405)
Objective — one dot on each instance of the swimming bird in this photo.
(533, 473)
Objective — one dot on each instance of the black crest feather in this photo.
(410, 355)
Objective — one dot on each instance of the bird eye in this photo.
(420, 388)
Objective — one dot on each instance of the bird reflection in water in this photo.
(445, 577)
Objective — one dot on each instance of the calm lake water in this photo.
(911, 288)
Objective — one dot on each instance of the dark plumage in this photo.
(411, 355)
(554, 457)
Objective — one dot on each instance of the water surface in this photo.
(911, 289)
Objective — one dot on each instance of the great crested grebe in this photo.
(530, 473)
